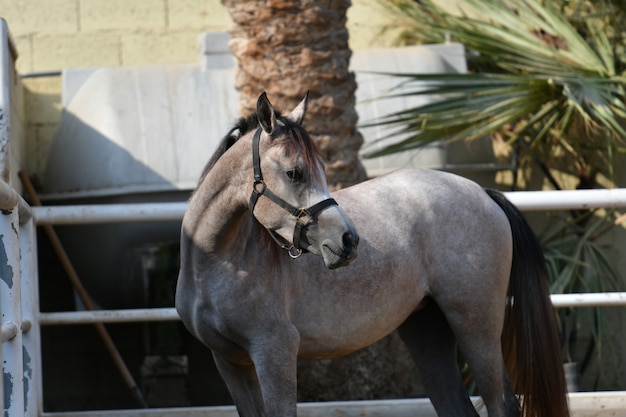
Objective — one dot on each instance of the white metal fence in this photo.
(21, 319)
(19, 307)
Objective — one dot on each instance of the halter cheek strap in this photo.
(303, 216)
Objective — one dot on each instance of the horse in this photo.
(269, 274)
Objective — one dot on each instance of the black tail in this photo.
(530, 342)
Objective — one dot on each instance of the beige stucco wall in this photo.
(51, 35)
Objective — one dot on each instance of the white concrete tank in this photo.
(151, 129)
(142, 134)
(139, 129)
(373, 85)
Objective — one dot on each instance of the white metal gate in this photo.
(19, 306)
(21, 319)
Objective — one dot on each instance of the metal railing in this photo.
(20, 352)
(19, 301)
(84, 214)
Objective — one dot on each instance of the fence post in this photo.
(31, 334)
(10, 303)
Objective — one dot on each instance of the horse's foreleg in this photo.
(433, 347)
(243, 386)
(275, 358)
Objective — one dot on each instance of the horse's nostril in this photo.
(350, 240)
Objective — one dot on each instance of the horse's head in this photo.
(289, 194)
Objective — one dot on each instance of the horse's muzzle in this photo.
(336, 256)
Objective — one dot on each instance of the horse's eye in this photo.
(295, 175)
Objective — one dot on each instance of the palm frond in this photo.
(549, 76)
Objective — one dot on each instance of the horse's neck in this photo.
(217, 216)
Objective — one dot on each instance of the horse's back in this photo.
(421, 200)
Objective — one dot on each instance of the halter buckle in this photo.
(303, 216)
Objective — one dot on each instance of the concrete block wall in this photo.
(55, 34)
(51, 35)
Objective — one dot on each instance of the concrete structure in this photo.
(51, 35)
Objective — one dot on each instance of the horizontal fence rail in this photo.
(584, 404)
(568, 199)
(604, 299)
(109, 316)
(170, 314)
(109, 213)
(112, 213)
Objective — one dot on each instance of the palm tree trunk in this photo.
(289, 47)
(286, 48)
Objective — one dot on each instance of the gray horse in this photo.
(440, 259)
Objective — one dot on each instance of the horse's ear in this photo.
(297, 114)
(265, 113)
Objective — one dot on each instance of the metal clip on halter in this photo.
(294, 252)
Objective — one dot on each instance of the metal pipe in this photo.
(568, 199)
(170, 314)
(11, 312)
(112, 213)
(589, 299)
(109, 316)
(39, 74)
(10, 199)
(109, 213)
(31, 331)
(582, 404)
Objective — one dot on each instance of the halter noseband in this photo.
(303, 216)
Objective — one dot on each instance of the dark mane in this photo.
(242, 126)
(300, 141)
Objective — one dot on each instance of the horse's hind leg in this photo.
(432, 344)
(484, 356)
(243, 386)
(477, 328)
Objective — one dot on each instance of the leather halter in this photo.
(303, 216)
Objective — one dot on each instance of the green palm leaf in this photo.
(549, 76)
